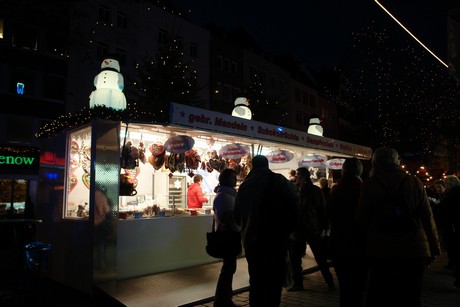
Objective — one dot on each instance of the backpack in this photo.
(396, 216)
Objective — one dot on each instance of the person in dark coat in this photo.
(346, 240)
(451, 202)
(397, 255)
(313, 221)
(266, 207)
(223, 206)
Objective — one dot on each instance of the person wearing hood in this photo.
(401, 236)
(266, 207)
(223, 206)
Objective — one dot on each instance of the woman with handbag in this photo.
(223, 215)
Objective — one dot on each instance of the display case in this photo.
(78, 172)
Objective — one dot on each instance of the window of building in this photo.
(236, 93)
(297, 94)
(305, 98)
(55, 44)
(13, 196)
(306, 120)
(122, 21)
(19, 129)
(253, 73)
(227, 93)
(298, 117)
(218, 90)
(282, 86)
(24, 37)
(234, 68)
(312, 100)
(226, 64)
(179, 42)
(194, 79)
(101, 51)
(273, 82)
(193, 50)
(24, 77)
(120, 55)
(104, 14)
(1, 28)
(53, 87)
(163, 36)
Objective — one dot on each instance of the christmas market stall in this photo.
(119, 207)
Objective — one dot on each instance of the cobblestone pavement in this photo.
(437, 291)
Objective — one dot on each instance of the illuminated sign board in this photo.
(20, 160)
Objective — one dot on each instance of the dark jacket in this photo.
(223, 206)
(266, 207)
(346, 239)
(313, 217)
(421, 242)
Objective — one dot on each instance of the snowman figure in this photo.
(315, 127)
(241, 108)
(109, 87)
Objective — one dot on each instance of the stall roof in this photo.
(208, 123)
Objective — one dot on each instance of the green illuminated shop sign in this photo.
(19, 159)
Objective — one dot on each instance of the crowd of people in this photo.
(379, 234)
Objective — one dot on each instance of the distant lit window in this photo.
(104, 14)
(1, 28)
(24, 37)
(193, 50)
(122, 21)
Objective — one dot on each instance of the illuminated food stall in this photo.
(124, 206)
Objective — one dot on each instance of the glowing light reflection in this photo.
(413, 36)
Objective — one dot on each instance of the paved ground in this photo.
(438, 291)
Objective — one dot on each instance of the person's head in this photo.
(439, 186)
(259, 161)
(302, 176)
(451, 181)
(292, 173)
(352, 167)
(197, 178)
(323, 182)
(227, 178)
(385, 157)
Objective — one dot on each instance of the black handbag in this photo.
(222, 244)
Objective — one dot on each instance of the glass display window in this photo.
(78, 172)
(13, 196)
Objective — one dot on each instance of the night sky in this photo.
(318, 32)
